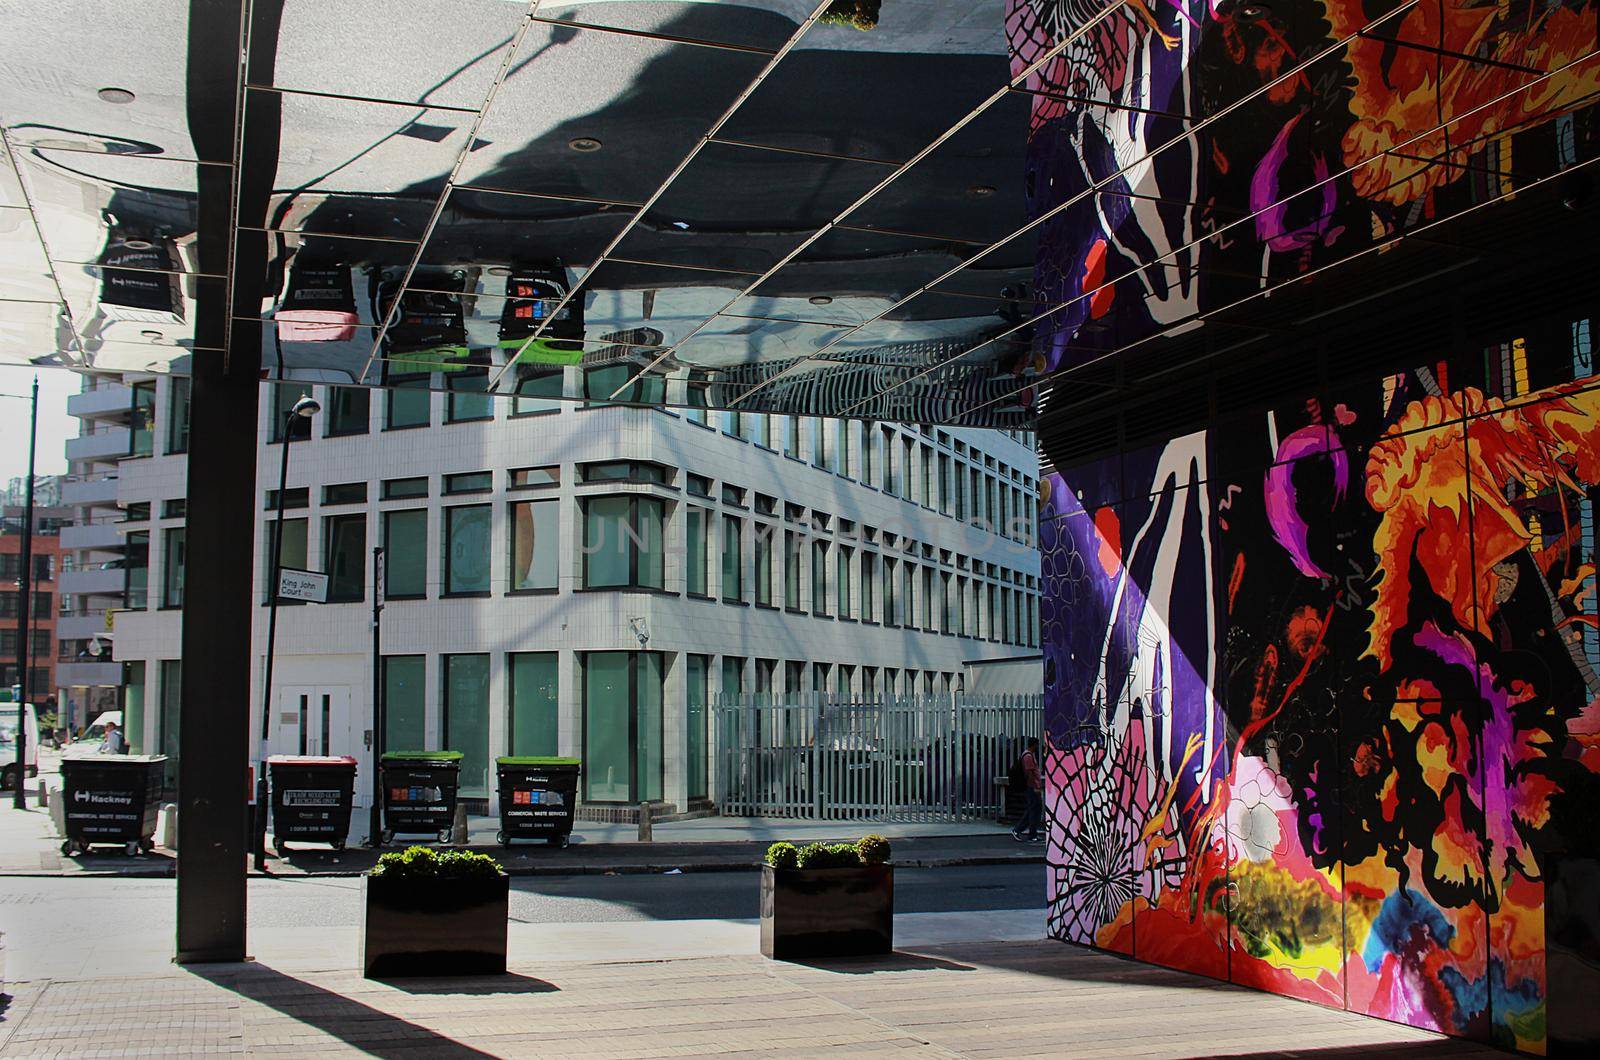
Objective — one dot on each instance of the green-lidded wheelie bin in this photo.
(311, 798)
(537, 798)
(419, 793)
(111, 799)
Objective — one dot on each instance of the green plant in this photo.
(862, 14)
(828, 856)
(425, 863)
(783, 856)
(873, 849)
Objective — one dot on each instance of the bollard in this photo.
(458, 833)
(44, 795)
(646, 828)
(168, 829)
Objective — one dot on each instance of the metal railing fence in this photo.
(826, 757)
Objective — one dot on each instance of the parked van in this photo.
(9, 772)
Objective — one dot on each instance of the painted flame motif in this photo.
(1418, 478)
(1400, 92)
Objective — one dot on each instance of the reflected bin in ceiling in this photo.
(111, 799)
(419, 793)
(537, 798)
(311, 797)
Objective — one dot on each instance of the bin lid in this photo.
(100, 759)
(311, 760)
(535, 760)
(422, 756)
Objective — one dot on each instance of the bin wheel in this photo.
(131, 848)
(67, 846)
(386, 836)
(147, 844)
(338, 844)
(279, 847)
(444, 835)
(500, 837)
(558, 841)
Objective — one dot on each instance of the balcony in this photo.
(97, 673)
(80, 627)
(101, 536)
(101, 582)
(104, 401)
(109, 445)
(91, 491)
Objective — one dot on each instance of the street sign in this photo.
(377, 574)
(308, 585)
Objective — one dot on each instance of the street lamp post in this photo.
(19, 797)
(303, 409)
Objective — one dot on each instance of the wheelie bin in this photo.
(419, 793)
(111, 799)
(537, 798)
(311, 797)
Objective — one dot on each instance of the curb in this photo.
(628, 869)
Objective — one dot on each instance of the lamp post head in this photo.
(306, 407)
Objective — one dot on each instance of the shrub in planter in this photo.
(827, 900)
(435, 913)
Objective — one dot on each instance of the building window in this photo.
(533, 724)
(395, 489)
(819, 676)
(169, 674)
(763, 537)
(891, 593)
(349, 410)
(346, 550)
(764, 672)
(794, 676)
(622, 544)
(731, 423)
(791, 570)
(699, 486)
(293, 555)
(136, 559)
(466, 719)
(535, 544)
(466, 549)
(949, 624)
(621, 726)
(733, 495)
(178, 414)
(845, 682)
(791, 436)
(527, 478)
(732, 558)
(696, 701)
(600, 383)
(408, 403)
(927, 598)
(404, 702)
(284, 396)
(625, 471)
(869, 583)
(819, 577)
(843, 559)
(697, 529)
(143, 419)
(841, 446)
(469, 482)
(538, 394)
(173, 554)
(891, 464)
(866, 452)
(345, 493)
(405, 559)
(468, 399)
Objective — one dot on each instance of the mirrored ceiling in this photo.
(928, 210)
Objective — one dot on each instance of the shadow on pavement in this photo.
(483, 986)
(362, 1027)
(898, 961)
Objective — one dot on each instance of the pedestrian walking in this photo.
(1033, 811)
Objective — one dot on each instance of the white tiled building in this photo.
(584, 579)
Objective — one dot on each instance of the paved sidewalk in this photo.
(966, 1000)
(31, 846)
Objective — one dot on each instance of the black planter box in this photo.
(847, 912)
(417, 928)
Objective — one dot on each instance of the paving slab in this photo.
(972, 999)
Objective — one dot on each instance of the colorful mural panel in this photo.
(1322, 696)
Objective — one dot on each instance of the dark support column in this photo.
(214, 719)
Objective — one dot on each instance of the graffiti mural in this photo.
(1323, 694)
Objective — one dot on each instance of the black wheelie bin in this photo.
(111, 799)
(311, 798)
(537, 798)
(419, 793)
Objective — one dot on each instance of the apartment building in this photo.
(569, 576)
